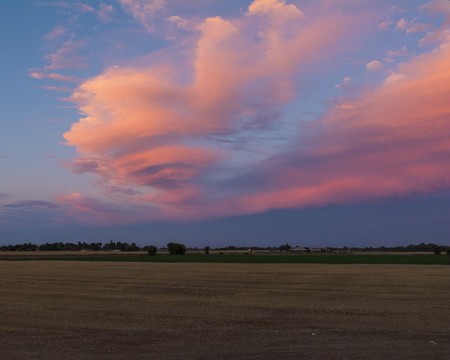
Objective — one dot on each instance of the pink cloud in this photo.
(402, 24)
(395, 54)
(384, 25)
(374, 65)
(417, 28)
(438, 7)
(275, 8)
(392, 141)
(411, 27)
(153, 128)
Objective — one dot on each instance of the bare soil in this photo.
(101, 310)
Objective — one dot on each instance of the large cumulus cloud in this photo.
(181, 134)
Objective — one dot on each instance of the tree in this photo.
(151, 250)
(285, 247)
(437, 250)
(207, 248)
(176, 248)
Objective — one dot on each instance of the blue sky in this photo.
(219, 123)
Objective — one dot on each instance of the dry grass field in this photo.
(102, 310)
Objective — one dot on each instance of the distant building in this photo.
(307, 249)
(299, 249)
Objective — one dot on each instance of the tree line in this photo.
(172, 247)
(180, 249)
(60, 246)
(422, 247)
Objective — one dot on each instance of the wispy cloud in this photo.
(180, 22)
(4, 196)
(87, 165)
(90, 210)
(393, 141)
(106, 13)
(442, 33)
(75, 6)
(67, 56)
(401, 53)
(144, 11)
(56, 33)
(63, 89)
(32, 204)
(36, 74)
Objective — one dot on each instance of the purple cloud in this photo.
(33, 204)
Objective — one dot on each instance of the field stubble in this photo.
(55, 309)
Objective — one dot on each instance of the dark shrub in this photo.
(437, 250)
(151, 250)
(207, 248)
(176, 248)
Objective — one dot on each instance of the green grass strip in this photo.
(254, 259)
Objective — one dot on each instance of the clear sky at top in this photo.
(244, 122)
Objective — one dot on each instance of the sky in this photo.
(318, 123)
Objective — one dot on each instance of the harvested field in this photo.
(91, 310)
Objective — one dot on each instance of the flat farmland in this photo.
(118, 310)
